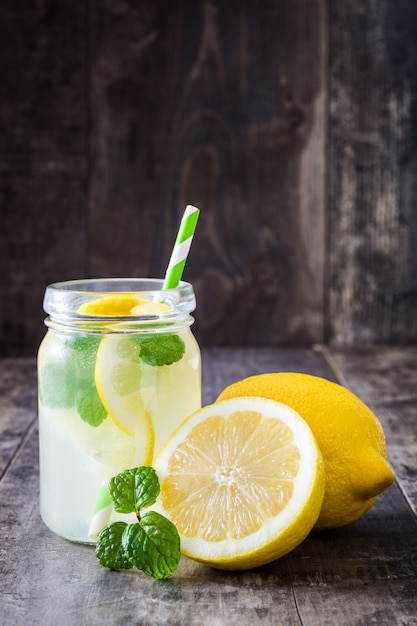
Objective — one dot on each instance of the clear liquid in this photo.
(77, 459)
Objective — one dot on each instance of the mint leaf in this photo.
(162, 349)
(134, 489)
(153, 546)
(89, 405)
(57, 386)
(109, 550)
(85, 352)
(69, 381)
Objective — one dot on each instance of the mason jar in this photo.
(118, 370)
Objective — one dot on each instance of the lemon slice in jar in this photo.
(118, 378)
(112, 305)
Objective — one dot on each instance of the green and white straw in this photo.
(181, 247)
(104, 507)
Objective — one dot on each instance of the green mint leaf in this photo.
(153, 545)
(89, 405)
(70, 381)
(109, 549)
(57, 385)
(85, 352)
(134, 489)
(162, 349)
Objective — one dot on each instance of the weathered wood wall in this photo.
(373, 172)
(291, 123)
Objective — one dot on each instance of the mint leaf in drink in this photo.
(88, 403)
(134, 489)
(84, 354)
(162, 349)
(69, 380)
(153, 546)
(57, 386)
(110, 551)
(153, 543)
(85, 349)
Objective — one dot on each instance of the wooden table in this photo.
(363, 574)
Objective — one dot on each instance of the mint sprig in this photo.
(152, 544)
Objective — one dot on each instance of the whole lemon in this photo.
(348, 433)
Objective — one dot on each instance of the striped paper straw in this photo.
(104, 507)
(181, 247)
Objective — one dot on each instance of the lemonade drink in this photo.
(118, 371)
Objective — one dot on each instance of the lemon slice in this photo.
(111, 305)
(243, 481)
(118, 378)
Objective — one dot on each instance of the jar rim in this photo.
(62, 300)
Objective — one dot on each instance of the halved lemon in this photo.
(243, 481)
(118, 378)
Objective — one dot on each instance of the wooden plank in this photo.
(42, 161)
(372, 172)
(18, 405)
(386, 380)
(219, 105)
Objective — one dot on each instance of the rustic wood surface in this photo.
(365, 573)
(289, 123)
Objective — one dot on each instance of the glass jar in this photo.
(118, 370)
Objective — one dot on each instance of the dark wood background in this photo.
(292, 124)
